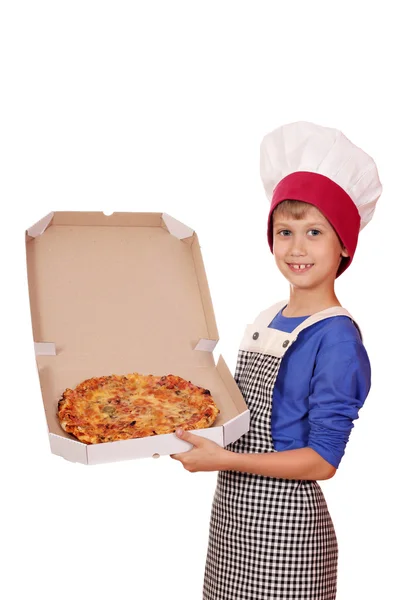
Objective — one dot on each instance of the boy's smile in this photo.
(300, 267)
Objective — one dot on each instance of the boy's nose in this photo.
(298, 248)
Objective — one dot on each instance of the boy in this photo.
(304, 376)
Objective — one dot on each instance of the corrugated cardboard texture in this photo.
(119, 294)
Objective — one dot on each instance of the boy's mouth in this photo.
(300, 267)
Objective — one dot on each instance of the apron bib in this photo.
(269, 538)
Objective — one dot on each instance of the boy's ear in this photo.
(344, 252)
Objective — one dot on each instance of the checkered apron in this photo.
(269, 539)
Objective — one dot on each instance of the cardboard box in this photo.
(120, 294)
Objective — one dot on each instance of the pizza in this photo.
(121, 407)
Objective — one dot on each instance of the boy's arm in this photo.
(206, 455)
(302, 463)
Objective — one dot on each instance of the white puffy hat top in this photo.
(321, 166)
(304, 146)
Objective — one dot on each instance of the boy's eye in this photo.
(284, 231)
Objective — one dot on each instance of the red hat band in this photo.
(326, 195)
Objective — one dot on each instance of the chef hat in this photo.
(319, 165)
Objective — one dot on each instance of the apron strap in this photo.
(266, 316)
(334, 311)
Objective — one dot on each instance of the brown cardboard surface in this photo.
(119, 294)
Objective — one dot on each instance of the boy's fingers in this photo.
(189, 437)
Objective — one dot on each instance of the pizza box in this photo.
(120, 294)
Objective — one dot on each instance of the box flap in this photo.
(177, 228)
(39, 227)
(69, 449)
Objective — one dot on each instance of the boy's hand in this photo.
(204, 456)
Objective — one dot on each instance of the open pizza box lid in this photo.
(121, 294)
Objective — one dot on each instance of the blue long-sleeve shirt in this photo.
(323, 381)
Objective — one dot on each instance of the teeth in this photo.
(300, 266)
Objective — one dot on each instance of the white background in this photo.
(161, 106)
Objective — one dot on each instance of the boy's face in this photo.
(311, 240)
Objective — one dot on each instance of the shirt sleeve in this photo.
(339, 387)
